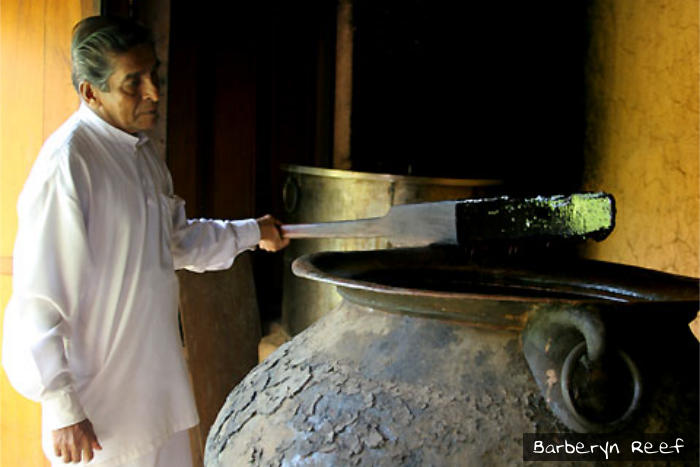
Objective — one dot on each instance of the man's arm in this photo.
(210, 244)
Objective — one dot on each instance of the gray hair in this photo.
(95, 39)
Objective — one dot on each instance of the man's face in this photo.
(131, 104)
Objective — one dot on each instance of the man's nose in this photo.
(150, 90)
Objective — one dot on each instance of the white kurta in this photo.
(91, 329)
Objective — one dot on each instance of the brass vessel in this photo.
(312, 194)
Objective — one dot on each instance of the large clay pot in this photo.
(434, 358)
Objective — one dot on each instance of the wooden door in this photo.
(36, 96)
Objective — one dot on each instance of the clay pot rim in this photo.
(619, 283)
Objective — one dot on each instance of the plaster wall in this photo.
(642, 130)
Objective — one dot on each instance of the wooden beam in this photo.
(343, 87)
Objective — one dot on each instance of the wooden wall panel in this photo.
(183, 153)
(59, 97)
(35, 97)
(221, 328)
(233, 166)
(21, 134)
(249, 88)
(22, 107)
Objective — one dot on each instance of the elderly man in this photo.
(91, 329)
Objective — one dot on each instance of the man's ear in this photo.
(89, 93)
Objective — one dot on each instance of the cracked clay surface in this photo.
(328, 398)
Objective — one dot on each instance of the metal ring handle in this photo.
(591, 426)
(290, 194)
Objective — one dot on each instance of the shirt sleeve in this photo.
(208, 244)
(50, 256)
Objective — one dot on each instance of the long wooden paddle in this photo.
(576, 216)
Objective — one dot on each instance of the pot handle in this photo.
(290, 194)
(557, 340)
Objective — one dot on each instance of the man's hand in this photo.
(75, 442)
(270, 238)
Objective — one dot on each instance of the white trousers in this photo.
(174, 453)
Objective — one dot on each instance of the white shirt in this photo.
(91, 328)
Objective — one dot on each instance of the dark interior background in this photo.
(441, 89)
(470, 90)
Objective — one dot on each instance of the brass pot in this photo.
(312, 194)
